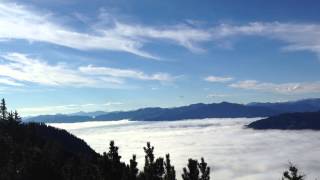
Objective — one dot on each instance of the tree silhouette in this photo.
(10, 117)
(153, 169)
(204, 169)
(170, 173)
(133, 170)
(193, 173)
(292, 174)
(17, 117)
(113, 154)
(149, 157)
(196, 171)
(3, 110)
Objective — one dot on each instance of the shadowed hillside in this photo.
(294, 121)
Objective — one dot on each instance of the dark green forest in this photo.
(35, 151)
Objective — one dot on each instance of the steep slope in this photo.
(36, 151)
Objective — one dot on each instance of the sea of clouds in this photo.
(232, 151)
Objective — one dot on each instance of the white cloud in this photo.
(22, 68)
(18, 69)
(30, 24)
(215, 95)
(184, 35)
(124, 73)
(232, 152)
(285, 88)
(218, 79)
(67, 108)
(298, 36)
(9, 82)
(23, 23)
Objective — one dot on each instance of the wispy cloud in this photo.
(37, 26)
(284, 88)
(184, 35)
(6, 81)
(124, 73)
(218, 79)
(298, 36)
(24, 23)
(21, 68)
(216, 95)
(66, 108)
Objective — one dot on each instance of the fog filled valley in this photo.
(231, 150)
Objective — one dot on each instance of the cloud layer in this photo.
(297, 36)
(284, 88)
(232, 151)
(19, 69)
(218, 79)
(33, 25)
(67, 108)
(23, 23)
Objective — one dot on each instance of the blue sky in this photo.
(66, 56)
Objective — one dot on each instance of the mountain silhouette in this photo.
(193, 111)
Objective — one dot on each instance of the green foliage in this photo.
(292, 174)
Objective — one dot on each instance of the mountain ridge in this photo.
(192, 111)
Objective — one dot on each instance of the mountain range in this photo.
(193, 111)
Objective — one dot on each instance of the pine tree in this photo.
(193, 173)
(153, 169)
(170, 173)
(292, 174)
(159, 169)
(133, 170)
(149, 158)
(112, 168)
(17, 117)
(204, 169)
(3, 110)
(149, 161)
(113, 154)
(10, 117)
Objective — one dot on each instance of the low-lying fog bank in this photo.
(232, 151)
